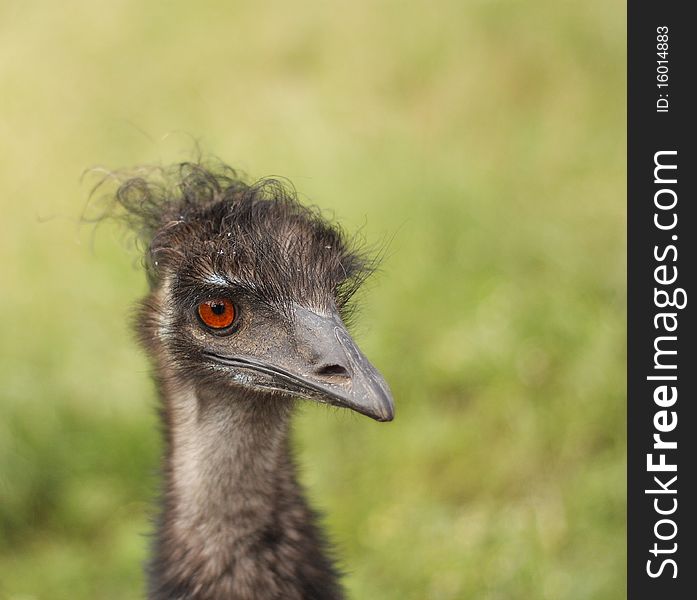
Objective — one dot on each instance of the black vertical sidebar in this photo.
(662, 260)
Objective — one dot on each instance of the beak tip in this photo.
(380, 409)
(385, 413)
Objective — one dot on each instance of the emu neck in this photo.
(227, 458)
(234, 521)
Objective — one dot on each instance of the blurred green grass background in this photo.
(483, 139)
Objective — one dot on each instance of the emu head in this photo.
(250, 290)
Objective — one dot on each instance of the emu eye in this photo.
(218, 313)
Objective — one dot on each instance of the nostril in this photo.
(332, 372)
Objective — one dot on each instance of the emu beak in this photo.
(318, 360)
(335, 370)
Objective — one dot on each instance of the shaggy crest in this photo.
(258, 236)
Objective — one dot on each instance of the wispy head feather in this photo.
(200, 221)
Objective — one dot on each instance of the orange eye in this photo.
(217, 314)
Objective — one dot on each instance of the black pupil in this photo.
(218, 308)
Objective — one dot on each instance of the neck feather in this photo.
(234, 522)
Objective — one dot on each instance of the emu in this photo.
(249, 296)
